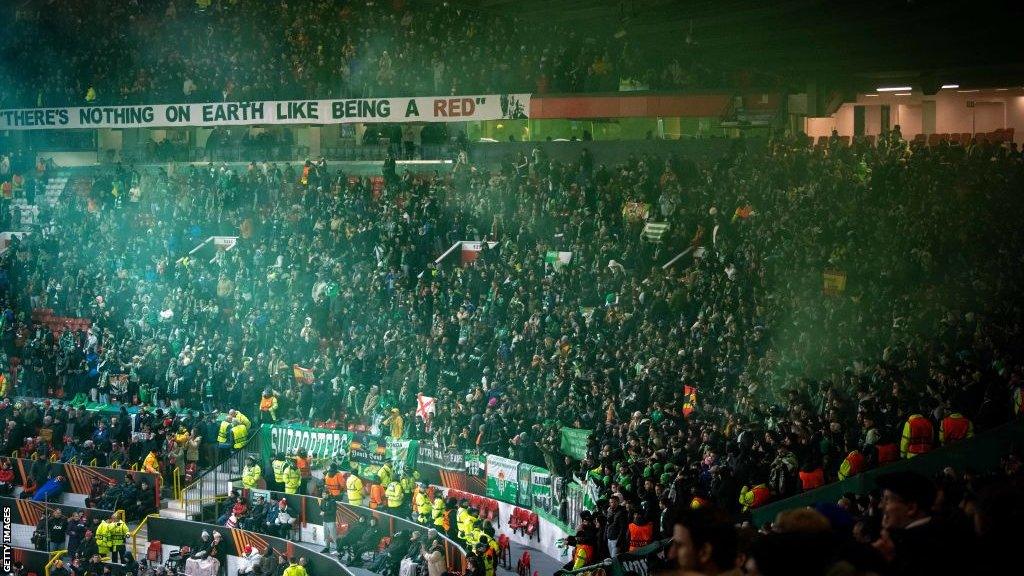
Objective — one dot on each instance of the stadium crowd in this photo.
(241, 50)
(790, 387)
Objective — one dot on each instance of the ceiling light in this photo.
(893, 89)
(949, 86)
(967, 91)
(1001, 89)
(871, 95)
(902, 94)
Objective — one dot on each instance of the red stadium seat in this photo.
(533, 525)
(504, 552)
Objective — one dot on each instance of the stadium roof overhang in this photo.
(853, 43)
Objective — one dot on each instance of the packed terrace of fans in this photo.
(332, 276)
(102, 52)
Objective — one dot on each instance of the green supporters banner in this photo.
(502, 479)
(318, 442)
(476, 464)
(574, 442)
(540, 491)
(525, 496)
(371, 452)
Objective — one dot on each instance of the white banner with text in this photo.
(426, 109)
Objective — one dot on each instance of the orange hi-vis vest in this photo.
(266, 403)
(918, 433)
(302, 465)
(813, 479)
(334, 484)
(887, 453)
(852, 465)
(640, 535)
(955, 427)
(377, 496)
(754, 497)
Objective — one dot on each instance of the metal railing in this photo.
(214, 485)
(55, 558)
(176, 483)
(134, 534)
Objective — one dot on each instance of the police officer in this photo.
(385, 474)
(224, 437)
(354, 488)
(437, 509)
(240, 418)
(116, 534)
(421, 504)
(395, 497)
(292, 479)
(251, 473)
(238, 433)
(277, 465)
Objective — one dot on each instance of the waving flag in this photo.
(689, 400)
(302, 375)
(425, 407)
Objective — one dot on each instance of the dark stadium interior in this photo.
(496, 287)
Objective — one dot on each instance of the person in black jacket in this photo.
(58, 530)
(617, 529)
(76, 531)
(41, 536)
(219, 549)
(87, 548)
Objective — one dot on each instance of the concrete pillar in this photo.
(928, 116)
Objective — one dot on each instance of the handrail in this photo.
(279, 545)
(193, 495)
(381, 514)
(93, 462)
(377, 512)
(135, 532)
(176, 482)
(54, 559)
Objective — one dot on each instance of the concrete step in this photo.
(174, 513)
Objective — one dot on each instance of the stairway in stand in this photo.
(175, 509)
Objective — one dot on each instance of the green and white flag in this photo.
(502, 479)
(557, 259)
(574, 442)
(540, 486)
(653, 231)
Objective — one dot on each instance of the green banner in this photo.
(371, 452)
(525, 496)
(540, 490)
(319, 442)
(502, 479)
(476, 464)
(574, 442)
